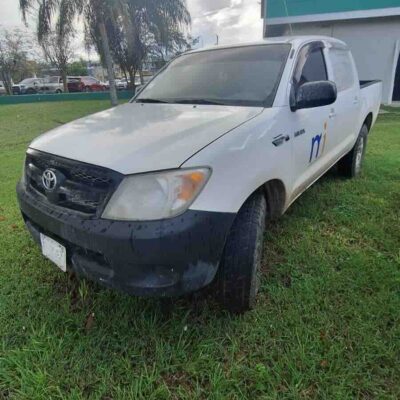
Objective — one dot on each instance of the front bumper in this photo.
(157, 258)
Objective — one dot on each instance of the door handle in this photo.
(279, 140)
(332, 115)
(356, 101)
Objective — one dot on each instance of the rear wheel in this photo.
(88, 89)
(351, 164)
(58, 91)
(239, 272)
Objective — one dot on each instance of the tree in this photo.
(63, 13)
(77, 68)
(58, 51)
(137, 29)
(15, 49)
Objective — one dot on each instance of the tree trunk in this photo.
(7, 83)
(64, 79)
(109, 62)
(132, 79)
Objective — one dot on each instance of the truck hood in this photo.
(135, 138)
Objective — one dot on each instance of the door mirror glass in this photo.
(315, 94)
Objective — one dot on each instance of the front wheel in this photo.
(351, 164)
(239, 272)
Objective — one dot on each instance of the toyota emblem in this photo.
(49, 180)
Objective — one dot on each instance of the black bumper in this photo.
(158, 258)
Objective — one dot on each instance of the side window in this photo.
(343, 70)
(314, 69)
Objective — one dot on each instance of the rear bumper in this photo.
(158, 258)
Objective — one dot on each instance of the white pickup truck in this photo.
(168, 193)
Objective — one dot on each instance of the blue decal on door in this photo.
(316, 148)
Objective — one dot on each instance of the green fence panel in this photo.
(36, 98)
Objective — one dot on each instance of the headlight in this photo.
(155, 196)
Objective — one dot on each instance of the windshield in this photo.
(242, 76)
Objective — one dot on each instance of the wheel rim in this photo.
(359, 155)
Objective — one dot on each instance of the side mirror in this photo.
(314, 94)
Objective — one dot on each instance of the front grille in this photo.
(16, 89)
(80, 187)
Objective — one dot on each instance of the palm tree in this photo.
(64, 13)
(134, 27)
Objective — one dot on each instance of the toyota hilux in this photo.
(171, 192)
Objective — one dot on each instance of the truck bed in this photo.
(371, 96)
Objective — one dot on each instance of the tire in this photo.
(31, 91)
(58, 91)
(351, 164)
(88, 89)
(238, 277)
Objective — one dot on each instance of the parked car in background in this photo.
(54, 84)
(122, 84)
(29, 86)
(85, 84)
(2, 89)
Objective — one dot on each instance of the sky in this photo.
(232, 20)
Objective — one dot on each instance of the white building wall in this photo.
(374, 43)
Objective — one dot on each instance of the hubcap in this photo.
(359, 155)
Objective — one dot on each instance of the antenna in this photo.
(287, 14)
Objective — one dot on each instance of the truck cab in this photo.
(171, 192)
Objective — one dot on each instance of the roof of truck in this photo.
(294, 40)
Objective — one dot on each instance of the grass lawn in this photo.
(327, 325)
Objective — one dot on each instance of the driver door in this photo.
(312, 142)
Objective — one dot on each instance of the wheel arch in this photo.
(275, 194)
(368, 121)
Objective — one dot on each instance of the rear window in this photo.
(343, 69)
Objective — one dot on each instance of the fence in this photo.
(36, 98)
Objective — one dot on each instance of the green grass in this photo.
(327, 325)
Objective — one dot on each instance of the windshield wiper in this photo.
(200, 101)
(151, 101)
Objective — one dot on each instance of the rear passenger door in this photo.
(347, 108)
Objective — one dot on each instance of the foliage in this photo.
(16, 57)
(58, 51)
(64, 14)
(327, 324)
(78, 68)
(140, 30)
